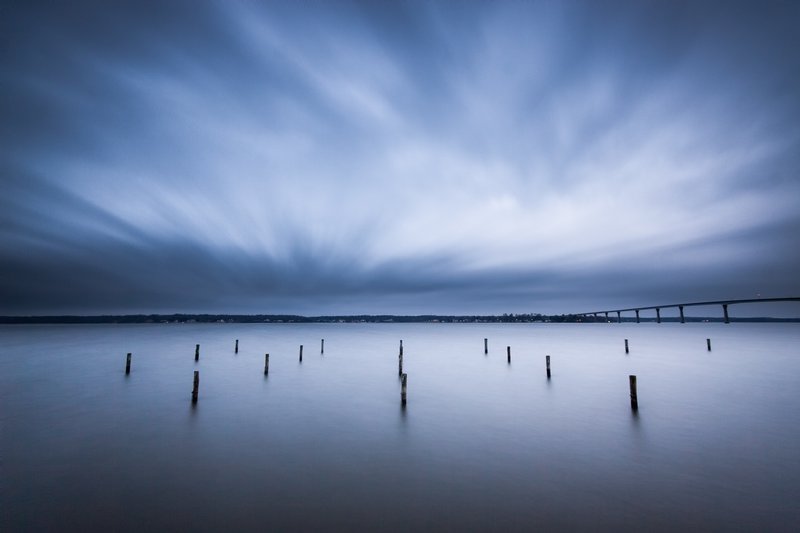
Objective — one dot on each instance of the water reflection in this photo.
(491, 445)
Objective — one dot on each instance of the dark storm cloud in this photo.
(413, 157)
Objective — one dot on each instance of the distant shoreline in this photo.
(328, 319)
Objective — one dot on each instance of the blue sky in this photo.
(403, 157)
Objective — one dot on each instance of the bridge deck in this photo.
(692, 304)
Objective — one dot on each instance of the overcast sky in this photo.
(403, 157)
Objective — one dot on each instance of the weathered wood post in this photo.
(236, 349)
(196, 352)
(634, 398)
(404, 381)
(725, 310)
(301, 353)
(485, 345)
(658, 315)
(400, 365)
(322, 346)
(508, 351)
(626, 346)
(547, 362)
(266, 364)
(683, 320)
(128, 365)
(708, 344)
(401, 346)
(196, 386)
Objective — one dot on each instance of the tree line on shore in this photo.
(262, 318)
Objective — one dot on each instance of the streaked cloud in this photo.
(413, 157)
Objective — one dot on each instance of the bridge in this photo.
(658, 308)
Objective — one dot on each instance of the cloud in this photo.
(431, 157)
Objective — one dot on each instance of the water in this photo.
(325, 444)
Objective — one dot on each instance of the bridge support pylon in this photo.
(658, 315)
(683, 320)
(725, 310)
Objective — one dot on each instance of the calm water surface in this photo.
(324, 444)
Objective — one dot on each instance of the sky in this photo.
(396, 157)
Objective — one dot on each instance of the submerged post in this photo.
(196, 386)
(322, 346)
(658, 315)
(508, 350)
(401, 346)
(196, 352)
(725, 310)
(626, 346)
(547, 362)
(301, 353)
(683, 320)
(236, 349)
(404, 381)
(266, 364)
(485, 345)
(637, 316)
(634, 398)
(128, 365)
(708, 344)
(400, 365)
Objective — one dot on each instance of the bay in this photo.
(326, 445)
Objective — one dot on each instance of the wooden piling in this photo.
(400, 365)
(626, 346)
(708, 344)
(634, 398)
(236, 349)
(404, 381)
(485, 345)
(301, 353)
(128, 365)
(547, 361)
(322, 346)
(401, 346)
(266, 364)
(196, 386)
(508, 351)
(196, 352)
